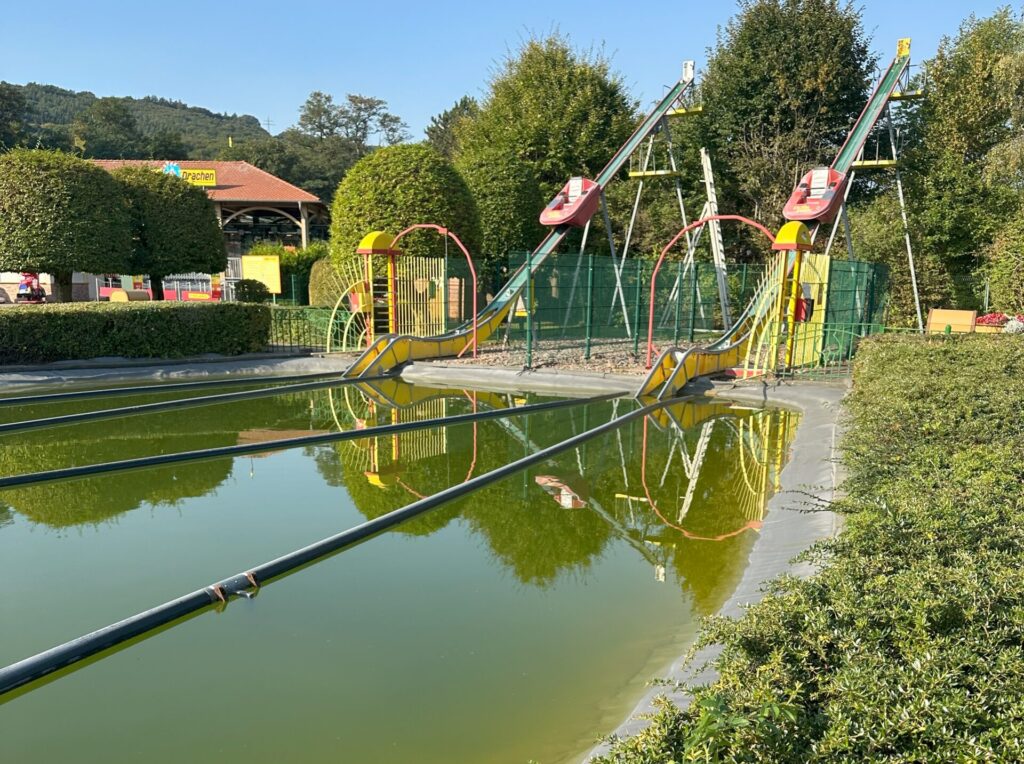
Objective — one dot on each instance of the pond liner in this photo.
(106, 392)
(159, 460)
(247, 583)
(179, 403)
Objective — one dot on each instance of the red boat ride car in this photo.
(574, 205)
(818, 196)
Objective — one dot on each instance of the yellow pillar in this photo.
(793, 237)
(794, 297)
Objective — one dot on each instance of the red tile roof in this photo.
(236, 181)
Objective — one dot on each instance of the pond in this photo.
(518, 623)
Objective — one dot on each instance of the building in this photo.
(252, 206)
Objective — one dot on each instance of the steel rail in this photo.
(89, 470)
(246, 583)
(177, 403)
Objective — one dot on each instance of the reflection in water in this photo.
(685, 488)
(572, 581)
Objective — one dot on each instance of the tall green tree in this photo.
(441, 130)
(398, 186)
(965, 185)
(561, 110)
(784, 82)
(107, 130)
(319, 116)
(174, 226)
(13, 116)
(329, 137)
(551, 112)
(60, 214)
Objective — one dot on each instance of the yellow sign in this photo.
(197, 176)
(903, 47)
(265, 269)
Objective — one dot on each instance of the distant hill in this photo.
(203, 132)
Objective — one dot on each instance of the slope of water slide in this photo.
(389, 351)
(676, 366)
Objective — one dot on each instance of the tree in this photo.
(174, 226)
(316, 153)
(964, 181)
(273, 155)
(107, 130)
(507, 197)
(13, 116)
(319, 116)
(398, 186)
(60, 214)
(166, 144)
(1005, 267)
(560, 110)
(784, 82)
(441, 130)
(878, 237)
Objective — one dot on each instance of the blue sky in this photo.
(263, 58)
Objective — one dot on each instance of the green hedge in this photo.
(43, 333)
(907, 645)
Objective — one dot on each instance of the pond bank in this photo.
(812, 474)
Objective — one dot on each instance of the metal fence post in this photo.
(636, 307)
(529, 310)
(743, 285)
(679, 300)
(590, 303)
(693, 298)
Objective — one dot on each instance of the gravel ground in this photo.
(614, 356)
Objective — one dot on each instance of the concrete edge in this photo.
(812, 473)
(123, 370)
(505, 379)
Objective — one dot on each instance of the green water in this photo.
(518, 623)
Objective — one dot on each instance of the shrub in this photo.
(906, 645)
(398, 186)
(60, 214)
(251, 290)
(70, 331)
(1005, 267)
(174, 226)
(324, 283)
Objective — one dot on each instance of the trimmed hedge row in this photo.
(906, 646)
(72, 331)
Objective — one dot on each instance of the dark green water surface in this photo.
(516, 624)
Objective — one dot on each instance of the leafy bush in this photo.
(174, 226)
(398, 186)
(1005, 267)
(906, 645)
(43, 333)
(324, 283)
(251, 290)
(60, 214)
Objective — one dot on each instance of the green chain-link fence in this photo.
(584, 302)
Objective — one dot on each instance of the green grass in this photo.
(907, 645)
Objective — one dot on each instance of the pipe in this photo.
(177, 403)
(88, 470)
(70, 653)
(26, 400)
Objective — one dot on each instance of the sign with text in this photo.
(265, 269)
(197, 176)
